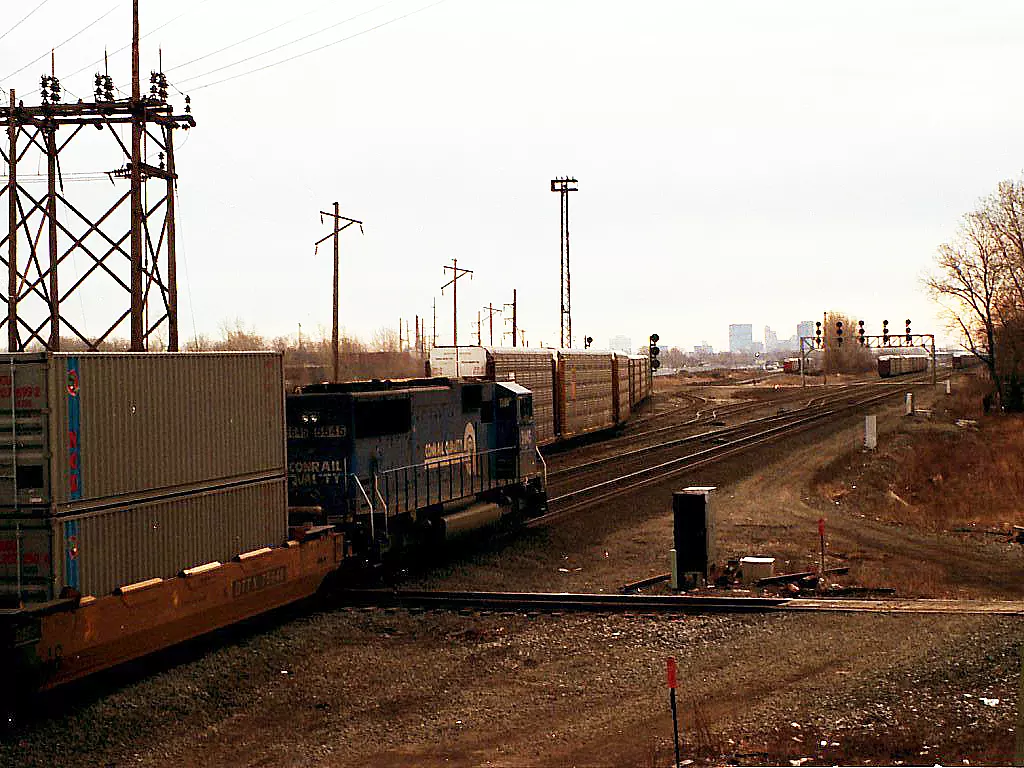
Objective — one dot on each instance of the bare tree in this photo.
(850, 356)
(384, 340)
(236, 336)
(967, 283)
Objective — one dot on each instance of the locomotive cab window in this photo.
(375, 418)
(472, 397)
(525, 408)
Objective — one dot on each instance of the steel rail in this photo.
(588, 602)
(700, 437)
(667, 469)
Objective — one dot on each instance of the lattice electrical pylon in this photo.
(127, 237)
(564, 187)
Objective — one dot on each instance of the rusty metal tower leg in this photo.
(51, 216)
(12, 233)
(138, 116)
(172, 258)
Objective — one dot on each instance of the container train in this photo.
(149, 498)
(576, 392)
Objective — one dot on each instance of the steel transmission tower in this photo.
(564, 187)
(127, 241)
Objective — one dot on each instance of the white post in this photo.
(909, 408)
(673, 565)
(871, 432)
(949, 388)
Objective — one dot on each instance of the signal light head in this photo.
(655, 338)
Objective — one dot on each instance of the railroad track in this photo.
(585, 602)
(708, 415)
(731, 441)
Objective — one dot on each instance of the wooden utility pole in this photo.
(457, 272)
(513, 305)
(338, 228)
(491, 309)
(433, 340)
(479, 331)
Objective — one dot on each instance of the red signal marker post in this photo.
(821, 535)
(672, 700)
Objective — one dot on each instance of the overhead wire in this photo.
(56, 47)
(251, 37)
(316, 50)
(285, 45)
(141, 37)
(23, 19)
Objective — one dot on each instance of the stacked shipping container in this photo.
(117, 468)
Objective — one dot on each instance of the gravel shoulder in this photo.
(330, 686)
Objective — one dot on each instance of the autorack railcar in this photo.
(576, 392)
(899, 365)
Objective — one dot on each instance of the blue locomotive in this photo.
(393, 462)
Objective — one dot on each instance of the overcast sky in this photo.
(738, 162)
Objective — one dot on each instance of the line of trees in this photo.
(978, 279)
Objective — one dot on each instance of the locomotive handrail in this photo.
(373, 532)
(544, 467)
(414, 486)
(449, 461)
(384, 504)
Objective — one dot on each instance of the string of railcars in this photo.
(146, 499)
(576, 392)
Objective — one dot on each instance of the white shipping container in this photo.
(80, 430)
(97, 551)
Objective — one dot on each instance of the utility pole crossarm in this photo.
(457, 272)
(335, 337)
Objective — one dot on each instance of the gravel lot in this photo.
(330, 686)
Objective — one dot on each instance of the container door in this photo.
(24, 430)
(26, 561)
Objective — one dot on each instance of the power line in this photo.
(251, 37)
(54, 48)
(143, 37)
(23, 18)
(316, 50)
(285, 45)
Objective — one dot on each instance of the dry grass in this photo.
(938, 475)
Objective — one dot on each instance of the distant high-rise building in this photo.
(804, 328)
(703, 349)
(771, 340)
(621, 344)
(741, 338)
